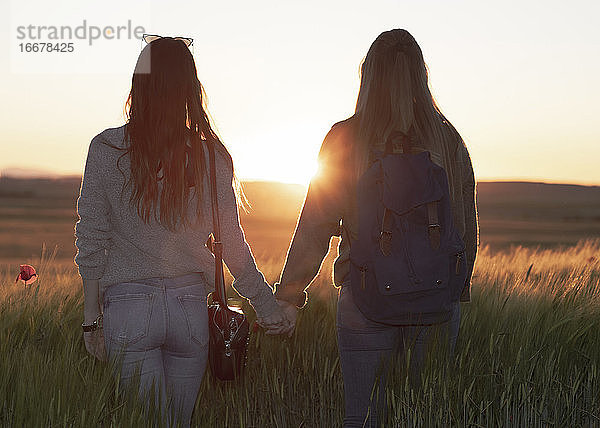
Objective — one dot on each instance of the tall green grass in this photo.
(528, 355)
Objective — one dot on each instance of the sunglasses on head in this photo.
(148, 38)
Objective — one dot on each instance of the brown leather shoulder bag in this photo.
(229, 330)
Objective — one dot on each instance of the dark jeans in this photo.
(156, 333)
(366, 349)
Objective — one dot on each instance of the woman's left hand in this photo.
(275, 323)
(94, 343)
(93, 297)
(291, 313)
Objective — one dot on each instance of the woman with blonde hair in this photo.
(144, 216)
(394, 99)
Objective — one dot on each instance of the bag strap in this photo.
(385, 235)
(433, 226)
(214, 241)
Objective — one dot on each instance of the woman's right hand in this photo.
(277, 322)
(291, 313)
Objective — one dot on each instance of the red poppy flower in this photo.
(27, 274)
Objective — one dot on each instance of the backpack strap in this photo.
(405, 140)
(433, 227)
(385, 236)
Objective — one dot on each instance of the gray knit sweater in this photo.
(115, 245)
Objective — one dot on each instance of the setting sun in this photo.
(267, 161)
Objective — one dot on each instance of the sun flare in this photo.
(267, 165)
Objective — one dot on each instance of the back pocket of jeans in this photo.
(195, 312)
(127, 317)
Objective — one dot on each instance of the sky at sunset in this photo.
(518, 79)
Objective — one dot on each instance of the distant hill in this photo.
(26, 173)
(523, 191)
(494, 198)
(272, 200)
(568, 202)
(264, 195)
(60, 187)
(510, 213)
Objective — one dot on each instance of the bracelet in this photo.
(95, 325)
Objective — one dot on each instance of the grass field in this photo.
(528, 353)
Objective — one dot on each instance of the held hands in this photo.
(291, 313)
(282, 321)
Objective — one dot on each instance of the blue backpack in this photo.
(408, 263)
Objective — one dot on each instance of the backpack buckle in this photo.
(435, 235)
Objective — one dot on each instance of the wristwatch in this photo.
(95, 325)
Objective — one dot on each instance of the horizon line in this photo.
(48, 175)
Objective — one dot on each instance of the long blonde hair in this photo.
(395, 96)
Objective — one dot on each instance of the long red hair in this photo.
(165, 133)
